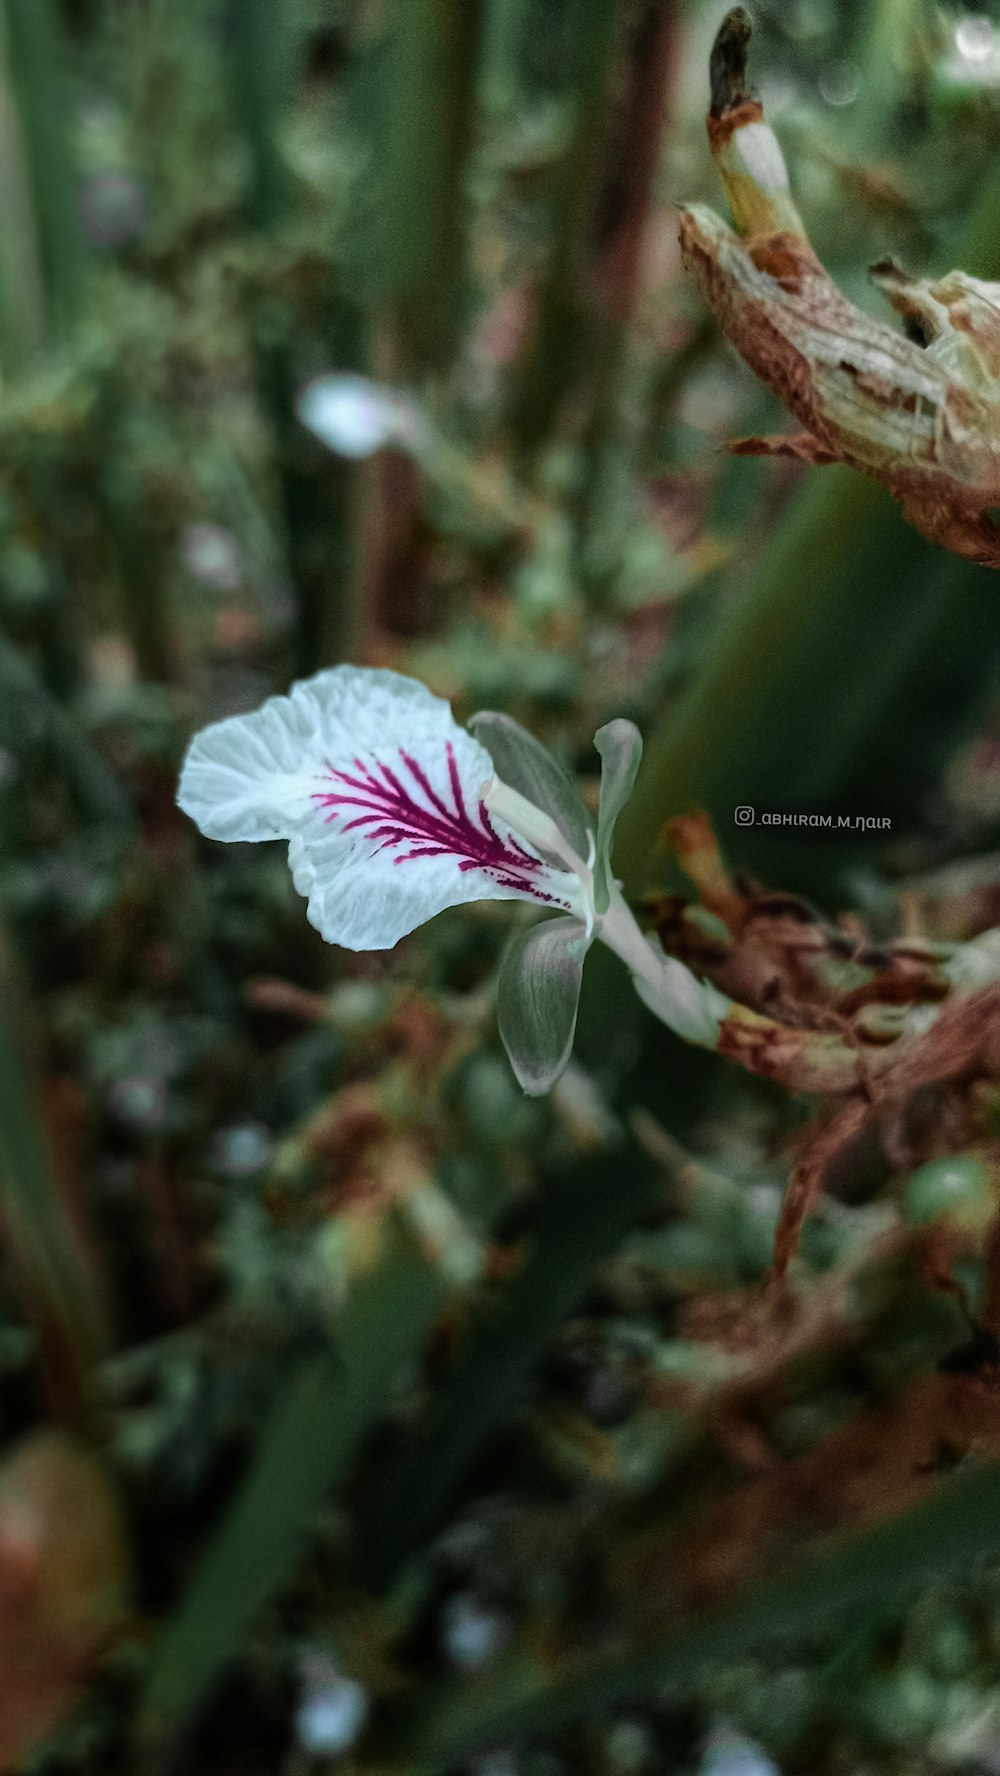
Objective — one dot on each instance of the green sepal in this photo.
(527, 766)
(537, 999)
(620, 746)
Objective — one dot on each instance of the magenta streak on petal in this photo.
(392, 816)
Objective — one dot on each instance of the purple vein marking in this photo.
(391, 814)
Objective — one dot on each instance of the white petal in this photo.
(251, 776)
(365, 902)
(380, 793)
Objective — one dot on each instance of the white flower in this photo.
(392, 811)
(354, 416)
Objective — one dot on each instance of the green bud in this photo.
(958, 1189)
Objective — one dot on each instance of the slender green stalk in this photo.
(563, 320)
(613, 427)
(888, 39)
(59, 1289)
(22, 291)
(258, 61)
(35, 64)
(320, 496)
(427, 119)
(25, 703)
(533, 1694)
(507, 26)
(139, 553)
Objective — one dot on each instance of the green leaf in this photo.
(883, 1562)
(327, 1404)
(620, 746)
(527, 766)
(584, 1208)
(538, 995)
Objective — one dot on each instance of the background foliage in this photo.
(352, 1406)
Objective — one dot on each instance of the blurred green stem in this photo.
(320, 495)
(258, 35)
(22, 290)
(25, 703)
(627, 196)
(60, 1295)
(562, 321)
(37, 75)
(428, 122)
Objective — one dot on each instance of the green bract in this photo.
(537, 1000)
(527, 766)
(620, 746)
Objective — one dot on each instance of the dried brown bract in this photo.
(871, 1028)
(919, 412)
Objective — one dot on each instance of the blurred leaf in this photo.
(326, 1407)
(956, 1525)
(582, 1214)
(26, 705)
(807, 695)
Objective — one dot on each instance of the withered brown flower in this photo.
(920, 412)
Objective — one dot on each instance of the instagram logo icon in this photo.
(744, 816)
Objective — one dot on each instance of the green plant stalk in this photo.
(613, 426)
(320, 495)
(60, 1292)
(258, 63)
(99, 795)
(305, 1448)
(531, 1694)
(36, 71)
(563, 320)
(507, 28)
(22, 290)
(139, 552)
(428, 110)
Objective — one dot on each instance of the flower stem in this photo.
(688, 1006)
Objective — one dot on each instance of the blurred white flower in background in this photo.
(332, 1708)
(354, 416)
(730, 1754)
(210, 553)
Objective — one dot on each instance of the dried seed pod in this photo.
(918, 411)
